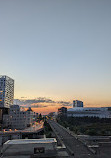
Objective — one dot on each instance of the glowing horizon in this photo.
(46, 105)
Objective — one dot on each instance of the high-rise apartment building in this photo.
(77, 103)
(6, 91)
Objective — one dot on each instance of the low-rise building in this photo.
(102, 112)
(30, 148)
(18, 118)
(62, 111)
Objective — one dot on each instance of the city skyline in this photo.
(46, 105)
(59, 50)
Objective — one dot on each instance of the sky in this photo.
(58, 49)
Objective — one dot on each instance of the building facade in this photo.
(62, 111)
(31, 148)
(6, 91)
(103, 112)
(77, 103)
(18, 118)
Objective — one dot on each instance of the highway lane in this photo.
(79, 149)
(33, 128)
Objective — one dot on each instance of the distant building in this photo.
(51, 114)
(77, 103)
(62, 111)
(18, 118)
(31, 117)
(103, 112)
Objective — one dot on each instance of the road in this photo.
(78, 148)
(33, 128)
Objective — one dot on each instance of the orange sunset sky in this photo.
(45, 108)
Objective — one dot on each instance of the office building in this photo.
(62, 111)
(6, 91)
(77, 103)
(18, 118)
(101, 112)
(6, 96)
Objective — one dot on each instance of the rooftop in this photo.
(5, 77)
(29, 141)
(88, 109)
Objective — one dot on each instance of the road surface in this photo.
(78, 148)
(33, 128)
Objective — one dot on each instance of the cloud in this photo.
(65, 103)
(40, 102)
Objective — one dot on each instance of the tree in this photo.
(40, 117)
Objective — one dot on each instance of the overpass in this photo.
(74, 147)
(32, 132)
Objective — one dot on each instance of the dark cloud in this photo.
(31, 101)
(38, 102)
(65, 103)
